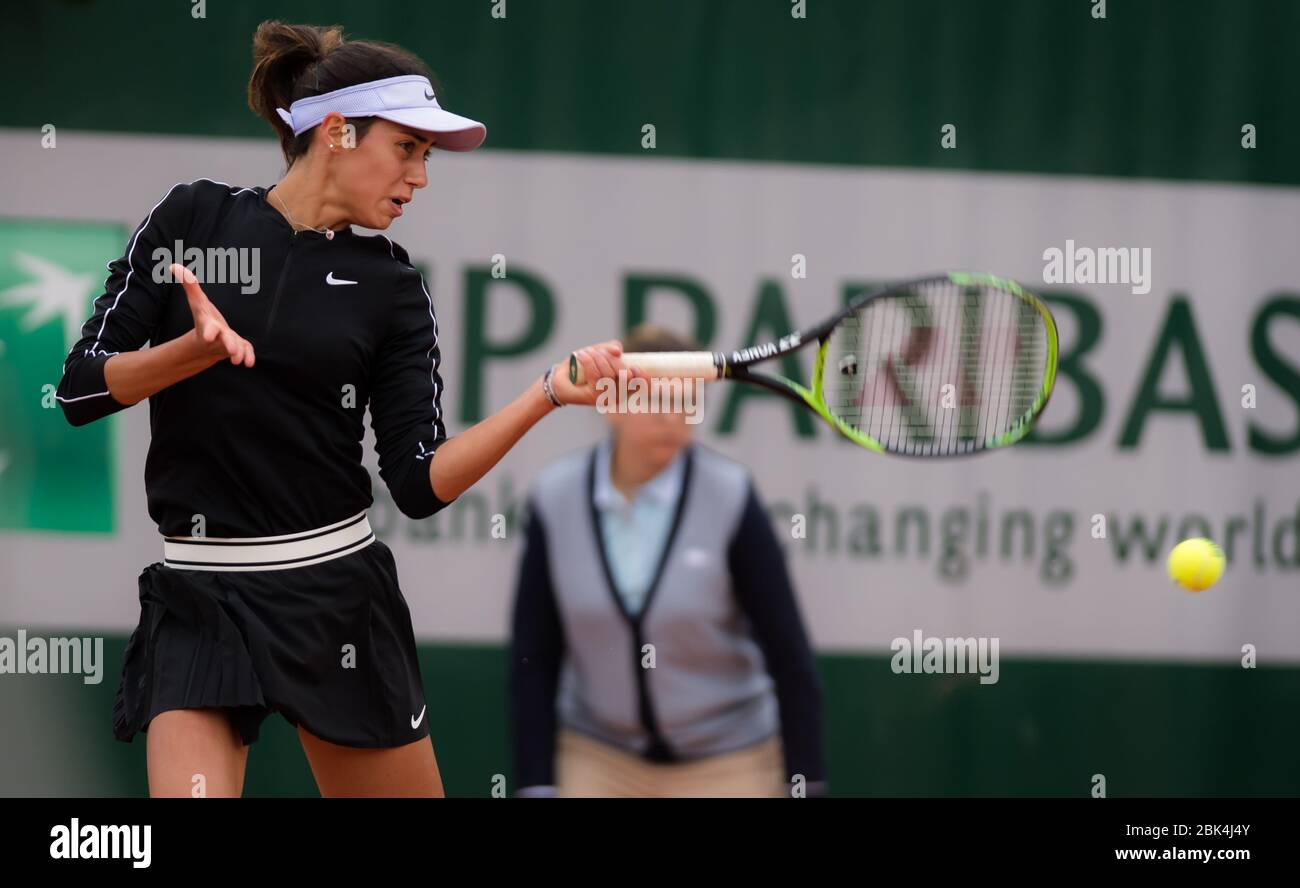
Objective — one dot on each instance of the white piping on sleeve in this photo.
(433, 365)
(131, 250)
(130, 268)
(81, 397)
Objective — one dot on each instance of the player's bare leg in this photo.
(344, 771)
(195, 753)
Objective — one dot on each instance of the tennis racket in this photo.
(939, 366)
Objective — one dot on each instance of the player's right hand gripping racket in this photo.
(940, 366)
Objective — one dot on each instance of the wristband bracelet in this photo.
(546, 387)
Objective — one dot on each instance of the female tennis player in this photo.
(273, 594)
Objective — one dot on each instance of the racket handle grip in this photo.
(660, 365)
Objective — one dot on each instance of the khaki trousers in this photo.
(586, 767)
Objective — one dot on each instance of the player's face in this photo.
(381, 172)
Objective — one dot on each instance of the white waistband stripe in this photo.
(269, 553)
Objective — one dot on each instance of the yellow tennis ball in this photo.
(1196, 564)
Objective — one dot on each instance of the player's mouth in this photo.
(397, 204)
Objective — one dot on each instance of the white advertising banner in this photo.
(1178, 400)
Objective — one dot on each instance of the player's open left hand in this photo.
(211, 330)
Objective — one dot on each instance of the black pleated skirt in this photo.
(330, 646)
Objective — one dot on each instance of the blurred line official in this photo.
(648, 539)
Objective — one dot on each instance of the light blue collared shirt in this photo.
(635, 533)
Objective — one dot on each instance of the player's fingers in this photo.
(587, 363)
(587, 360)
(231, 343)
(211, 311)
(619, 363)
(605, 365)
(613, 351)
(633, 371)
(193, 292)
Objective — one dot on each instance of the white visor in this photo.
(407, 100)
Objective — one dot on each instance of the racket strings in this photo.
(937, 369)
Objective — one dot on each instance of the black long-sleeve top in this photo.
(337, 324)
